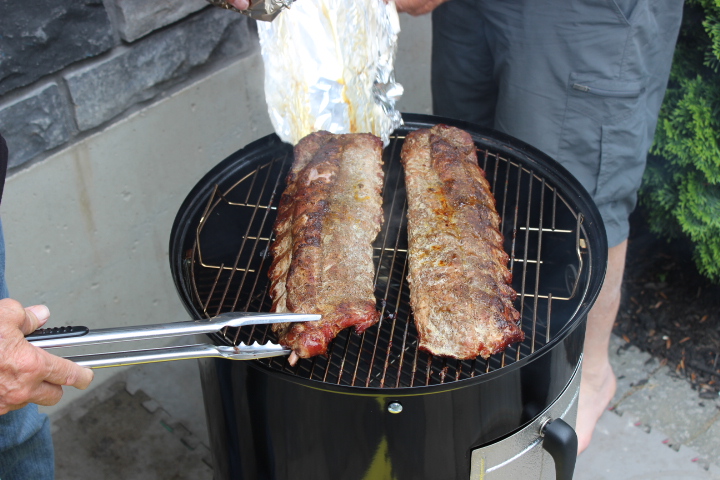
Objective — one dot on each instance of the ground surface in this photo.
(669, 309)
(149, 420)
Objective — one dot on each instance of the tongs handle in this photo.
(53, 333)
(185, 352)
(174, 329)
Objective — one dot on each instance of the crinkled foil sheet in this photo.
(329, 65)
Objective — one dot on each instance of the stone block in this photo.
(632, 367)
(137, 18)
(118, 439)
(34, 123)
(667, 402)
(620, 451)
(43, 36)
(102, 90)
(707, 442)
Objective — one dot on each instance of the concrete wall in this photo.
(87, 228)
(69, 68)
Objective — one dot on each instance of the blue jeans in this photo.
(26, 450)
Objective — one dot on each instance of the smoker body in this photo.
(377, 407)
(269, 426)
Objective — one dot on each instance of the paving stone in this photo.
(137, 18)
(668, 402)
(708, 442)
(43, 36)
(662, 402)
(35, 123)
(102, 90)
(632, 367)
(622, 451)
(119, 439)
(175, 387)
(151, 405)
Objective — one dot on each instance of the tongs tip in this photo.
(254, 350)
(239, 319)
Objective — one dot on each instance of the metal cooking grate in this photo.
(227, 270)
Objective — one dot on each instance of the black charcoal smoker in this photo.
(377, 408)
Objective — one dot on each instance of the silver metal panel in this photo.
(521, 455)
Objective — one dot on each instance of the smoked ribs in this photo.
(460, 290)
(328, 217)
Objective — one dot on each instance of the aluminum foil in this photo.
(329, 65)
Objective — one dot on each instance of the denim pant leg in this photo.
(26, 449)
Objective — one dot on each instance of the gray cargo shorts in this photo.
(581, 80)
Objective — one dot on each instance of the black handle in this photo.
(57, 332)
(562, 443)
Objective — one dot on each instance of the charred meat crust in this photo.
(328, 217)
(460, 289)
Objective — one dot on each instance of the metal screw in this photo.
(543, 425)
(395, 407)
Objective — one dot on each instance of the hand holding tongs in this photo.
(77, 336)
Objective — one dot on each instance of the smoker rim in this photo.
(542, 164)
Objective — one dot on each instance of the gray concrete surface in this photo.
(149, 422)
(657, 426)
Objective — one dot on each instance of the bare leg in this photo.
(598, 383)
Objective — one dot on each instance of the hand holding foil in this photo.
(240, 4)
(265, 10)
(329, 66)
(412, 7)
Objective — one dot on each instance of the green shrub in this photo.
(681, 187)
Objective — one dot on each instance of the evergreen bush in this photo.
(681, 187)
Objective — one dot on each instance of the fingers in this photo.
(29, 374)
(47, 394)
(35, 317)
(417, 7)
(33, 375)
(240, 4)
(64, 372)
(60, 371)
(10, 408)
(13, 315)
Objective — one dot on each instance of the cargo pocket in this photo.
(604, 136)
(623, 151)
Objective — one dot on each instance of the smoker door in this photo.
(521, 455)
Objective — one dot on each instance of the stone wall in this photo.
(71, 67)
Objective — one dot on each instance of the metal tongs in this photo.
(79, 336)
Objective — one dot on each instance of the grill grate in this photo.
(543, 235)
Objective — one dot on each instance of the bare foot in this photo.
(596, 392)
